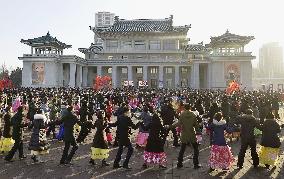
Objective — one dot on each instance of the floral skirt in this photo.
(97, 153)
(141, 139)
(6, 144)
(221, 157)
(109, 137)
(155, 158)
(268, 155)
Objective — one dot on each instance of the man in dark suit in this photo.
(69, 120)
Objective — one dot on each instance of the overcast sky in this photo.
(69, 20)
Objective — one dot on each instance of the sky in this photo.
(69, 21)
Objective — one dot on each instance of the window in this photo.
(139, 57)
(139, 70)
(184, 70)
(169, 70)
(155, 45)
(153, 70)
(124, 57)
(111, 44)
(109, 70)
(126, 45)
(139, 44)
(169, 44)
(169, 82)
(124, 70)
(110, 57)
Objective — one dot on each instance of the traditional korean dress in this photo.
(142, 136)
(38, 142)
(6, 142)
(154, 151)
(270, 143)
(220, 154)
(99, 149)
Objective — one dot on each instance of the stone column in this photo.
(129, 73)
(177, 79)
(72, 75)
(195, 74)
(161, 75)
(209, 71)
(99, 70)
(85, 76)
(145, 73)
(114, 75)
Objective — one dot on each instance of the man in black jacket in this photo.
(168, 115)
(124, 125)
(17, 135)
(69, 120)
(248, 123)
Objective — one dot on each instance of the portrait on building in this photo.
(38, 73)
(232, 72)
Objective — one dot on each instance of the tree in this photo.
(4, 73)
(16, 77)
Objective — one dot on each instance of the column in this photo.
(177, 79)
(32, 50)
(209, 71)
(72, 75)
(99, 70)
(145, 73)
(195, 76)
(114, 75)
(129, 73)
(161, 76)
(85, 76)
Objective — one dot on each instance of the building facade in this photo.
(151, 51)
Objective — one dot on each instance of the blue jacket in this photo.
(218, 128)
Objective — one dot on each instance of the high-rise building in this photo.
(271, 60)
(104, 19)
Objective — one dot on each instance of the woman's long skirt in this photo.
(268, 155)
(221, 157)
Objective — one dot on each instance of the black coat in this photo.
(18, 125)
(7, 132)
(270, 130)
(69, 120)
(154, 141)
(38, 141)
(168, 114)
(124, 125)
(99, 141)
(248, 123)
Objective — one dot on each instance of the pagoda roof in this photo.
(94, 48)
(141, 25)
(46, 40)
(197, 48)
(230, 38)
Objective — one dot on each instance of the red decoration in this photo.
(233, 86)
(102, 82)
(5, 83)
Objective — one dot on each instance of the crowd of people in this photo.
(72, 114)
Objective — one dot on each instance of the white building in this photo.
(104, 19)
(151, 50)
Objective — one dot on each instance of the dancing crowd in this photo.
(114, 115)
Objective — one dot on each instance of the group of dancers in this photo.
(72, 114)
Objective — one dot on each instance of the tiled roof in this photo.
(95, 48)
(142, 25)
(197, 48)
(229, 37)
(45, 40)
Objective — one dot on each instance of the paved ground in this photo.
(49, 168)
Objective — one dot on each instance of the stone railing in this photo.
(41, 55)
(241, 54)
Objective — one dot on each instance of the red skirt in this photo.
(221, 157)
(155, 158)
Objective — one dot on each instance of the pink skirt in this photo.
(155, 158)
(141, 139)
(221, 157)
(109, 137)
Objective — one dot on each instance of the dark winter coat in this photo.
(7, 132)
(248, 123)
(270, 130)
(218, 128)
(18, 125)
(69, 120)
(155, 139)
(146, 118)
(124, 125)
(168, 114)
(38, 141)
